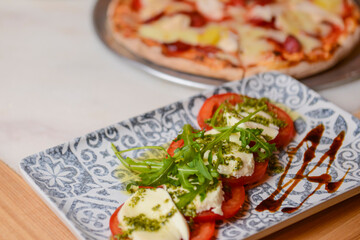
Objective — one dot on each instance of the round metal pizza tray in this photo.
(345, 71)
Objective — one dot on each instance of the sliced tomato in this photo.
(231, 205)
(259, 173)
(175, 145)
(212, 103)
(114, 223)
(286, 134)
(199, 231)
(202, 230)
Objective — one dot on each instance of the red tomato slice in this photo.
(231, 205)
(114, 222)
(202, 230)
(259, 173)
(211, 104)
(199, 231)
(175, 145)
(286, 134)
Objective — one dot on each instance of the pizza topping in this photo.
(212, 9)
(176, 47)
(178, 7)
(170, 29)
(319, 15)
(228, 42)
(211, 35)
(253, 44)
(152, 8)
(309, 43)
(334, 6)
(136, 5)
(266, 13)
(220, 37)
(197, 20)
(292, 45)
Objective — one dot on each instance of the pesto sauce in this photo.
(254, 103)
(157, 207)
(139, 195)
(143, 223)
(274, 165)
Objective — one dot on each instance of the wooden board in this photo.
(23, 215)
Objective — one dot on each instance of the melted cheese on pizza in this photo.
(151, 8)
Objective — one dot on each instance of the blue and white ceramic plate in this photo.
(82, 183)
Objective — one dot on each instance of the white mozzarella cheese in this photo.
(319, 14)
(228, 42)
(334, 6)
(212, 201)
(153, 205)
(170, 29)
(271, 131)
(176, 7)
(234, 167)
(309, 43)
(266, 12)
(151, 8)
(213, 9)
(253, 44)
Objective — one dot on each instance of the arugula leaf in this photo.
(187, 198)
(261, 147)
(157, 177)
(225, 132)
(199, 164)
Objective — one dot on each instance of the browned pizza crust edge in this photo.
(154, 54)
(305, 69)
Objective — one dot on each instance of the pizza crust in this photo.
(154, 54)
(305, 69)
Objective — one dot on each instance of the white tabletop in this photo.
(58, 81)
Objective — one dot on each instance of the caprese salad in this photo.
(202, 175)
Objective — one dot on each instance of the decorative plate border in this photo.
(81, 181)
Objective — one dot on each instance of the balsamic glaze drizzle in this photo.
(313, 137)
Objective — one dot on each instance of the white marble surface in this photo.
(58, 81)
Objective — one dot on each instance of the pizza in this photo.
(230, 39)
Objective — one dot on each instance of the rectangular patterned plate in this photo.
(80, 180)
